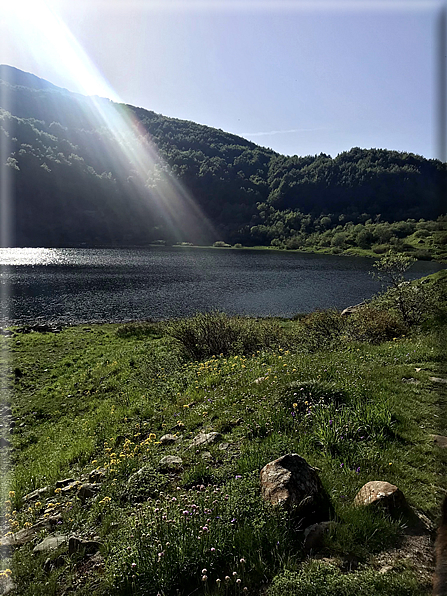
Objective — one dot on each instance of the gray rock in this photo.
(168, 439)
(65, 482)
(224, 446)
(440, 441)
(35, 494)
(76, 544)
(87, 491)
(203, 439)
(7, 586)
(97, 475)
(290, 481)
(4, 442)
(438, 380)
(51, 543)
(72, 486)
(381, 493)
(207, 455)
(25, 535)
(350, 310)
(170, 461)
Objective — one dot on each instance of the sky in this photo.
(300, 77)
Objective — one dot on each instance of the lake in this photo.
(98, 285)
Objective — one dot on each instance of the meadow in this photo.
(359, 397)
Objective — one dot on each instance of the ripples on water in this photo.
(82, 285)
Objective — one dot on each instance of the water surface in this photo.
(87, 285)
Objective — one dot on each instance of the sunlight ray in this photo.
(39, 26)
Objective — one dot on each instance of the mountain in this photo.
(88, 171)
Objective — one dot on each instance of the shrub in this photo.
(373, 325)
(380, 249)
(321, 328)
(211, 334)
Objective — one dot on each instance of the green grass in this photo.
(103, 395)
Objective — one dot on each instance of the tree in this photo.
(412, 302)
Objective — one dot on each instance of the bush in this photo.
(373, 325)
(211, 334)
(380, 249)
(321, 328)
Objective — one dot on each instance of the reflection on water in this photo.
(80, 285)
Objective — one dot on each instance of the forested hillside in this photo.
(86, 171)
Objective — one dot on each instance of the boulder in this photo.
(25, 535)
(51, 543)
(76, 544)
(203, 439)
(291, 482)
(378, 492)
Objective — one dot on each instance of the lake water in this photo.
(87, 285)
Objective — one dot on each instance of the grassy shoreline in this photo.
(356, 402)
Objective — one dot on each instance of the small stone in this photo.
(168, 439)
(4, 442)
(440, 441)
(385, 569)
(170, 461)
(35, 493)
(97, 475)
(207, 455)
(438, 380)
(72, 486)
(65, 482)
(203, 439)
(224, 446)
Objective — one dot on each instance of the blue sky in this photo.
(299, 77)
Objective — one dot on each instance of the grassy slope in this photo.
(102, 396)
